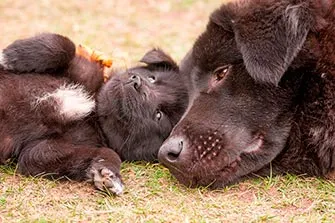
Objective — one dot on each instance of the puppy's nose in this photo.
(136, 80)
(171, 150)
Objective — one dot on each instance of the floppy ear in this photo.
(159, 58)
(270, 38)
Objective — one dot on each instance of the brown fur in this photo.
(273, 111)
(49, 123)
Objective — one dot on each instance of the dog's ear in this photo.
(158, 58)
(270, 39)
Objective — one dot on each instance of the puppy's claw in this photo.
(105, 180)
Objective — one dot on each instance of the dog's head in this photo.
(246, 69)
(138, 108)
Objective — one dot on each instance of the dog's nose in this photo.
(170, 150)
(136, 80)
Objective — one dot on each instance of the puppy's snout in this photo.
(136, 80)
(170, 151)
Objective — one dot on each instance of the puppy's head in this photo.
(246, 70)
(138, 108)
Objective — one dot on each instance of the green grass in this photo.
(152, 195)
(126, 29)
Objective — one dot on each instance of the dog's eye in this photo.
(152, 79)
(221, 72)
(158, 115)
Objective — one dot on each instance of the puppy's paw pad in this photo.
(106, 180)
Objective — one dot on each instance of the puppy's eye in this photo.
(158, 115)
(221, 72)
(152, 79)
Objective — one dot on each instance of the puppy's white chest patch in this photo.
(72, 102)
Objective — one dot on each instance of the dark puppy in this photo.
(264, 92)
(47, 120)
(57, 120)
(138, 109)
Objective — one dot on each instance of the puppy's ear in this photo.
(158, 58)
(271, 37)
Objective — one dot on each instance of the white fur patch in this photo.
(72, 101)
(3, 60)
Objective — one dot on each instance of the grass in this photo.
(152, 195)
(126, 29)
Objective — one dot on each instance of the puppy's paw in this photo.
(106, 180)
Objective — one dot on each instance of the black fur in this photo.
(46, 140)
(40, 54)
(263, 75)
(138, 109)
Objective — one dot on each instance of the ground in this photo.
(125, 30)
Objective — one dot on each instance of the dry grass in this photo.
(152, 195)
(125, 29)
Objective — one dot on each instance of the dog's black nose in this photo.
(136, 80)
(170, 150)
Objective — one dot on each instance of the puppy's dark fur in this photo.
(59, 119)
(138, 109)
(264, 94)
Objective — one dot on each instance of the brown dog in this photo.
(264, 94)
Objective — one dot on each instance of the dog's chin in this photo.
(194, 180)
(184, 179)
